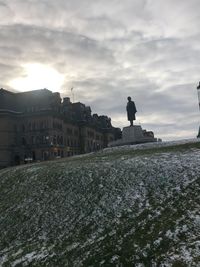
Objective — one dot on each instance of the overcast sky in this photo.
(108, 50)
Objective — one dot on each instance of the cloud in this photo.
(108, 50)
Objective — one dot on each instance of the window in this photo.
(33, 126)
(58, 140)
(69, 131)
(75, 132)
(37, 140)
(33, 140)
(23, 141)
(54, 139)
(61, 140)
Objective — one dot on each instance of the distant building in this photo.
(38, 125)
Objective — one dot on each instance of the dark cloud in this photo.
(107, 50)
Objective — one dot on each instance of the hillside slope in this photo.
(122, 207)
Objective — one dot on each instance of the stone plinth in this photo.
(133, 135)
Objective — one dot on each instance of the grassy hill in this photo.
(129, 206)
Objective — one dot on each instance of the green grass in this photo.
(111, 208)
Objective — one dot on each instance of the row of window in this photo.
(92, 134)
(55, 140)
(31, 126)
(42, 125)
(57, 125)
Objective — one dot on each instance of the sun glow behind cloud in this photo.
(37, 76)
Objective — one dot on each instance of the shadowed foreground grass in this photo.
(120, 207)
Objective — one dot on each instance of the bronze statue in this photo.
(131, 110)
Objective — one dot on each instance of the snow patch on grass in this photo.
(103, 209)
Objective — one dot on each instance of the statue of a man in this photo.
(131, 110)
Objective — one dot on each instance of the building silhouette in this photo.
(38, 125)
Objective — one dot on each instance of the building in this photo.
(39, 125)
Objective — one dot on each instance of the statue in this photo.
(131, 110)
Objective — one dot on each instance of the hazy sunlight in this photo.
(38, 76)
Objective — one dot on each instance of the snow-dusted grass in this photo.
(129, 206)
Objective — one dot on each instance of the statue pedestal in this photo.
(132, 135)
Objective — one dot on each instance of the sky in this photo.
(108, 50)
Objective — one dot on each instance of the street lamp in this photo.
(198, 91)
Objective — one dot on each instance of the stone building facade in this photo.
(39, 125)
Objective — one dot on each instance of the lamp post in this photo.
(198, 91)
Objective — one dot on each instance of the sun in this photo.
(38, 76)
